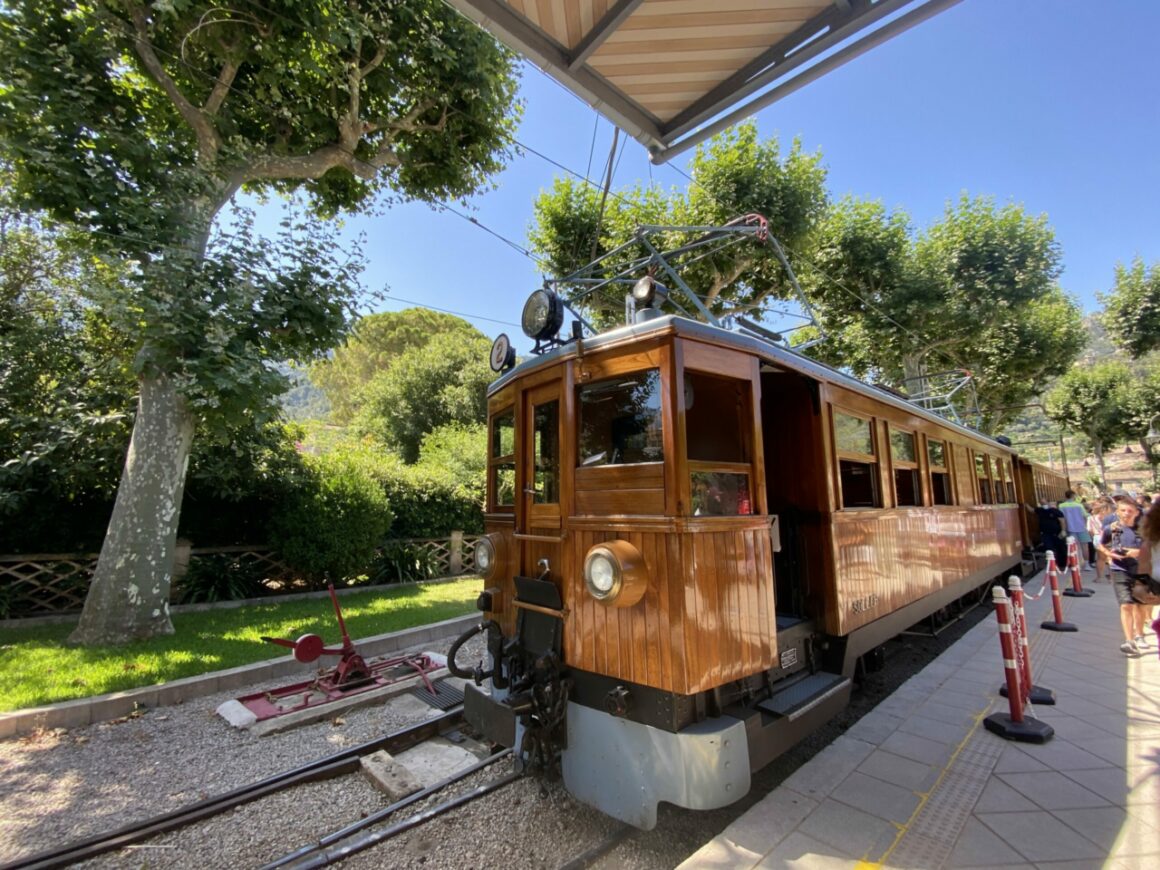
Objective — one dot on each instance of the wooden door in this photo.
(538, 526)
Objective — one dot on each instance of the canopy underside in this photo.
(673, 72)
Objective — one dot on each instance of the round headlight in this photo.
(615, 574)
(543, 315)
(485, 556)
(643, 290)
(601, 575)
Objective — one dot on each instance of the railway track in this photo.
(329, 767)
(358, 836)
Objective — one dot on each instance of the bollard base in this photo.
(1058, 626)
(1079, 593)
(1027, 731)
(1039, 695)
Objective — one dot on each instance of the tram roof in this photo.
(768, 351)
(671, 73)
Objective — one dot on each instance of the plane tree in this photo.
(1131, 312)
(734, 174)
(1096, 402)
(140, 121)
(977, 291)
(376, 341)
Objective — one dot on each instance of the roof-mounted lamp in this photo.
(649, 293)
(543, 315)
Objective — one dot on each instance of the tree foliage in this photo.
(975, 291)
(440, 383)
(139, 122)
(734, 174)
(1095, 401)
(66, 393)
(1132, 309)
(377, 340)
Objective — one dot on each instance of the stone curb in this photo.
(100, 708)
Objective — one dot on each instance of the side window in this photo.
(620, 420)
(1004, 488)
(501, 460)
(940, 475)
(857, 461)
(718, 433)
(546, 453)
(982, 470)
(905, 462)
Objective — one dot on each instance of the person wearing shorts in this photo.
(1120, 544)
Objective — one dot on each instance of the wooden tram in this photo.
(694, 534)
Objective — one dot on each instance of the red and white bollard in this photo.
(1076, 590)
(1052, 578)
(1031, 692)
(1015, 726)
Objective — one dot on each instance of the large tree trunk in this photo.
(1098, 449)
(129, 597)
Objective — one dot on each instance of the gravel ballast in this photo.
(60, 786)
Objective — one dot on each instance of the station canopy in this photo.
(671, 73)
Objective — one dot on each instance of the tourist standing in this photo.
(1120, 544)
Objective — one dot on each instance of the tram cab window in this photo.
(940, 476)
(502, 459)
(857, 462)
(907, 491)
(620, 420)
(982, 469)
(546, 453)
(718, 431)
(1010, 481)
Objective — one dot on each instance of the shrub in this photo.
(330, 523)
(442, 382)
(458, 449)
(401, 562)
(220, 577)
(429, 501)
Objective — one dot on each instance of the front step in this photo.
(778, 723)
(797, 700)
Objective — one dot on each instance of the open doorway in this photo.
(791, 423)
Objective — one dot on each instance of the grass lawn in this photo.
(37, 668)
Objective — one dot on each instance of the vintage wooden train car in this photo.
(694, 535)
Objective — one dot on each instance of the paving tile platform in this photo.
(919, 783)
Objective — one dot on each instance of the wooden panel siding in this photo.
(887, 559)
(619, 490)
(707, 616)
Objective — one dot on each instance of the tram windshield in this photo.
(620, 420)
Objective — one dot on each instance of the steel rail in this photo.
(324, 768)
(327, 849)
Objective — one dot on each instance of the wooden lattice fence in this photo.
(46, 583)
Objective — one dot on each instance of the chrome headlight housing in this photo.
(615, 574)
(487, 555)
(543, 315)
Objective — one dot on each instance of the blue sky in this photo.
(1053, 105)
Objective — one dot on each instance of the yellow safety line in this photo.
(904, 828)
